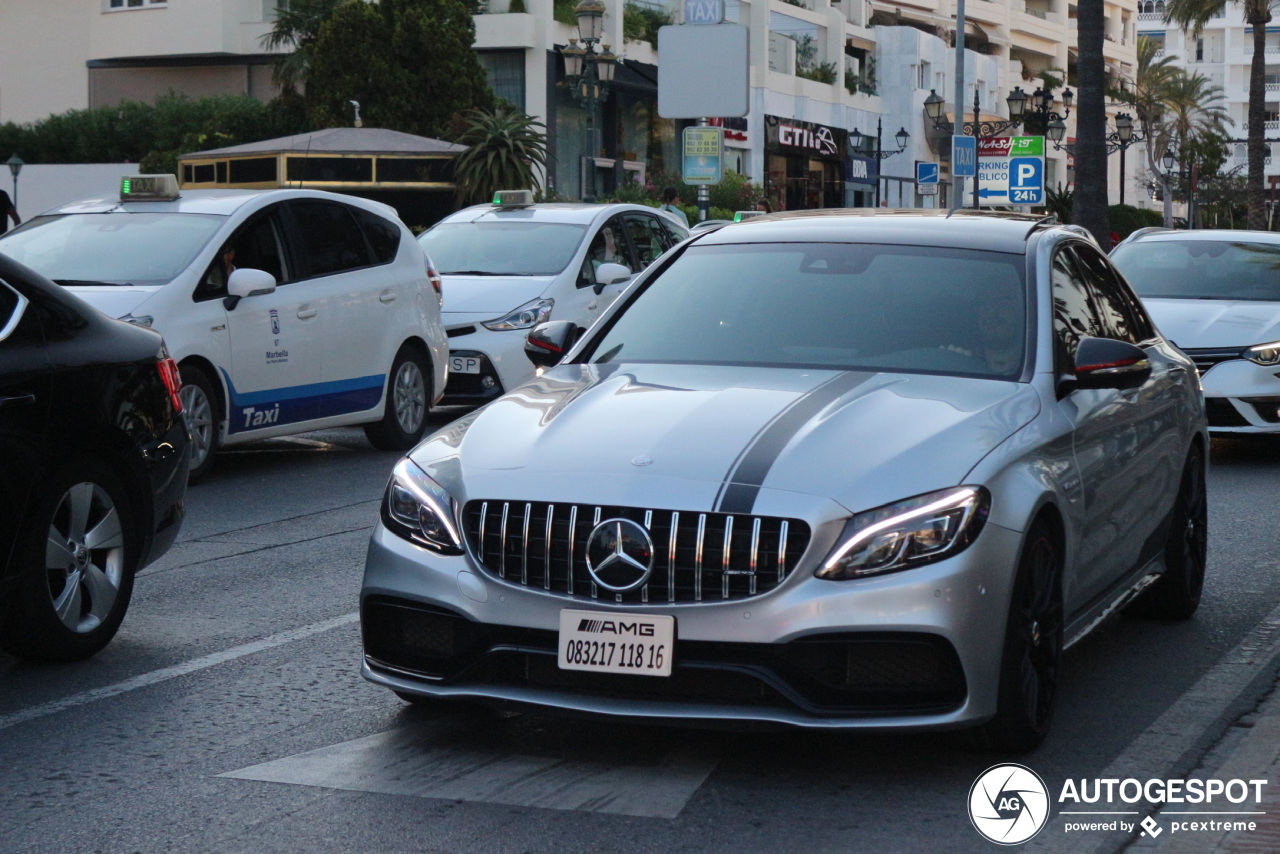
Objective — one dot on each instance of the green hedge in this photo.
(1126, 219)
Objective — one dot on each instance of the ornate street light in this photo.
(589, 71)
(860, 140)
(15, 166)
(1117, 140)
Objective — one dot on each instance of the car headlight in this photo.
(1264, 354)
(526, 316)
(417, 508)
(141, 320)
(908, 533)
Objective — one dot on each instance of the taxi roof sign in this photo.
(513, 198)
(148, 188)
(739, 216)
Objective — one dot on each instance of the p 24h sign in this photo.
(1011, 170)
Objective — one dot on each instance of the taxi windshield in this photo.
(502, 248)
(1201, 269)
(112, 248)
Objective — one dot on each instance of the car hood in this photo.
(612, 433)
(116, 300)
(490, 295)
(1216, 323)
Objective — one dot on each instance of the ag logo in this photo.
(619, 555)
(1008, 804)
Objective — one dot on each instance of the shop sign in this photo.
(862, 170)
(791, 136)
(735, 130)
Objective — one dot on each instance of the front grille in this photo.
(1206, 358)
(858, 673)
(697, 557)
(1221, 413)
(1268, 408)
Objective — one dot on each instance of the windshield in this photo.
(114, 249)
(504, 248)
(1201, 269)
(851, 306)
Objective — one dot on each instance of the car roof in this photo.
(994, 231)
(580, 213)
(220, 202)
(1229, 234)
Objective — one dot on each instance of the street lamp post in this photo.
(15, 166)
(1117, 140)
(859, 141)
(1037, 119)
(1169, 160)
(589, 71)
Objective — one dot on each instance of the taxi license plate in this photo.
(464, 364)
(608, 642)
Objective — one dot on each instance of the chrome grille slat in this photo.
(704, 554)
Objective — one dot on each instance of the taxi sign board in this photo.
(1011, 170)
(964, 156)
(702, 12)
(703, 155)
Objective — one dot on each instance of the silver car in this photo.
(1216, 294)
(832, 471)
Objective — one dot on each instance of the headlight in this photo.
(1264, 354)
(141, 320)
(908, 533)
(526, 316)
(417, 508)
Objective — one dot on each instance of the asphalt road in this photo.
(228, 715)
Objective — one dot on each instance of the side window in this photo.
(1123, 320)
(647, 237)
(255, 246)
(673, 234)
(326, 239)
(1073, 315)
(609, 246)
(383, 236)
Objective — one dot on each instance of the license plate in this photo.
(607, 642)
(464, 364)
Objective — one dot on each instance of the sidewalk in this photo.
(1250, 750)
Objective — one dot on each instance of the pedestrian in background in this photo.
(8, 212)
(670, 199)
(762, 204)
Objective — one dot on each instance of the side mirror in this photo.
(247, 282)
(1106, 363)
(610, 274)
(547, 342)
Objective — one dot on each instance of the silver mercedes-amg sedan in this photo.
(829, 470)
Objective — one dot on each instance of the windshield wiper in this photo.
(72, 283)
(471, 273)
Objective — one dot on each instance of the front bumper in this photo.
(1242, 397)
(503, 364)
(913, 650)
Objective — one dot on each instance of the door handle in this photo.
(306, 313)
(18, 400)
(386, 298)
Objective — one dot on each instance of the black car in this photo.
(93, 466)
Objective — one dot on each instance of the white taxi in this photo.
(286, 310)
(513, 264)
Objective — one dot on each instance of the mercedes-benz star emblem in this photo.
(619, 555)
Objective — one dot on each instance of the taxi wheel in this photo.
(1175, 595)
(1032, 649)
(404, 418)
(200, 408)
(79, 554)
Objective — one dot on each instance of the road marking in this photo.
(1178, 740)
(146, 680)
(421, 762)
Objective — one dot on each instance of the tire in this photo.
(1176, 594)
(203, 415)
(404, 417)
(1032, 650)
(78, 560)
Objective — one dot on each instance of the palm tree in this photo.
(507, 150)
(1193, 15)
(1148, 94)
(296, 28)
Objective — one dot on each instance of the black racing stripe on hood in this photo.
(746, 476)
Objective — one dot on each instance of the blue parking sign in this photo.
(1026, 181)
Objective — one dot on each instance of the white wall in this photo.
(41, 187)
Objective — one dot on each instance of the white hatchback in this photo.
(287, 310)
(508, 267)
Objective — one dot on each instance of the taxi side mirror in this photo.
(247, 282)
(610, 274)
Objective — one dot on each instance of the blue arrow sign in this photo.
(926, 173)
